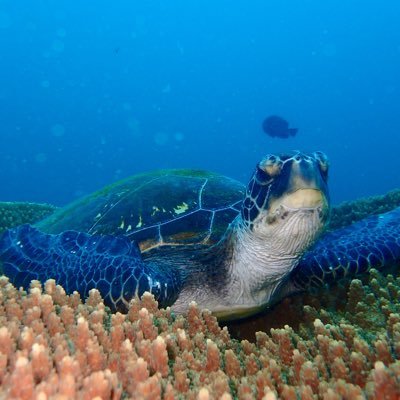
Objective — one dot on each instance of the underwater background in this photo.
(95, 91)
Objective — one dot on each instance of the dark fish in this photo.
(278, 127)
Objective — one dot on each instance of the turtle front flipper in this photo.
(373, 242)
(81, 262)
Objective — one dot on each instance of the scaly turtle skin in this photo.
(200, 237)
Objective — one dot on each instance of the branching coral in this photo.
(54, 346)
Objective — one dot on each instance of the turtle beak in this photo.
(304, 187)
(305, 198)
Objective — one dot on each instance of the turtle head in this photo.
(287, 199)
(285, 208)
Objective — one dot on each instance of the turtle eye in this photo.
(323, 162)
(271, 165)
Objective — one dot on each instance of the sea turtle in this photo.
(191, 235)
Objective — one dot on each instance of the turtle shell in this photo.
(167, 207)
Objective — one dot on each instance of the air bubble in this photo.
(57, 130)
(161, 138)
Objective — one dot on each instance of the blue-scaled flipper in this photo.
(81, 262)
(373, 242)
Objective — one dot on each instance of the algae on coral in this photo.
(349, 212)
(18, 213)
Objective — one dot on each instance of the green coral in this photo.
(352, 211)
(367, 306)
(18, 213)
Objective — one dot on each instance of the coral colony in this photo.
(57, 346)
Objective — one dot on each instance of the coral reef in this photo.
(342, 343)
(55, 346)
(352, 211)
(18, 213)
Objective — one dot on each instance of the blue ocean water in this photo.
(95, 91)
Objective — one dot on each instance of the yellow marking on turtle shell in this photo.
(122, 226)
(180, 209)
(97, 216)
(155, 210)
(129, 228)
(140, 223)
